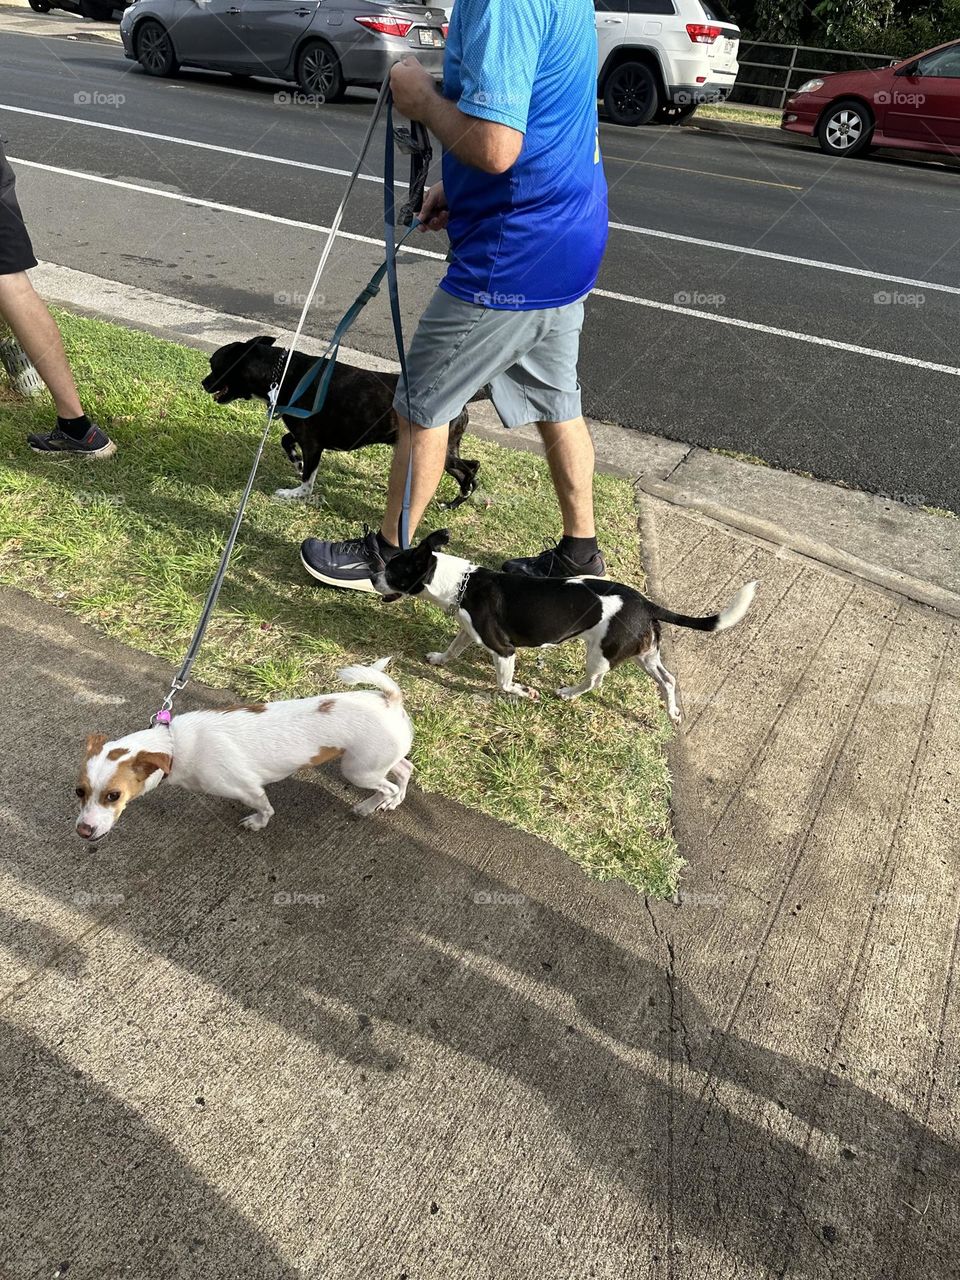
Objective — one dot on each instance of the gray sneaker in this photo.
(95, 444)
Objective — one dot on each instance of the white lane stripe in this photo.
(198, 203)
(189, 142)
(785, 257)
(834, 345)
(891, 356)
(614, 226)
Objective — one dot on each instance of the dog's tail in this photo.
(375, 675)
(728, 617)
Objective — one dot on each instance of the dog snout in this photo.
(85, 830)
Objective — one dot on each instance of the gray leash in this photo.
(182, 677)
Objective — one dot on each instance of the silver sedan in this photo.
(322, 45)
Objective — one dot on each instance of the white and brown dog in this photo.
(504, 612)
(237, 752)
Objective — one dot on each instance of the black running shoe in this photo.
(552, 563)
(94, 444)
(349, 564)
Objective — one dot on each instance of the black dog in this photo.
(358, 410)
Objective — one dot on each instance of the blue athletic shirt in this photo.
(534, 236)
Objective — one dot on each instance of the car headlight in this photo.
(810, 86)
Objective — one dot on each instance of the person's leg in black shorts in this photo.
(36, 331)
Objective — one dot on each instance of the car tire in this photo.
(39, 6)
(672, 113)
(845, 128)
(319, 73)
(631, 95)
(154, 49)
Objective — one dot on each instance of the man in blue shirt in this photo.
(524, 201)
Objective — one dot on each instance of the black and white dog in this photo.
(504, 612)
(358, 410)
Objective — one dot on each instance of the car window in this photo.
(611, 6)
(946, 63)
(652, 6)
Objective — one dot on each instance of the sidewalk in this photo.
(428, 1047)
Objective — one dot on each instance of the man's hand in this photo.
(413, 89)
(434, 215)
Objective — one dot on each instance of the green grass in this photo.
(130, 545)
(738, 115)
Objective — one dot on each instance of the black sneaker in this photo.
(552, 563)
(350, 564)
(95, 444)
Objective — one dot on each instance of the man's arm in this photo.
(482, 144)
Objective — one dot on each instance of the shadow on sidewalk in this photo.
(403, 968)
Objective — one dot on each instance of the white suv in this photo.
(662, 58)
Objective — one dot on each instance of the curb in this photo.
(749, 132)
(875, 539)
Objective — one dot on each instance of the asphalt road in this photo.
(705, 326)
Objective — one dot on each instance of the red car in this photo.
(913, 104)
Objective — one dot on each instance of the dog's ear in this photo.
(146, 762)
(438, 539)
(95, 744)
(264, 341)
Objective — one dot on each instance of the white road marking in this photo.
(198, 203)
(721, 245)
(818, 341)
(201, 146)
(785, 257)
(216, 207)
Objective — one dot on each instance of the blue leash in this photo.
(325, 364)
(322, 371)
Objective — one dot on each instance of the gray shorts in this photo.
(528, 358)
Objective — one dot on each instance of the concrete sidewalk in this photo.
(426, 1047)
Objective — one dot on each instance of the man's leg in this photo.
(570, 456)
(36, 331)
(429, 457)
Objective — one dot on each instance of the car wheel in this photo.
(318, 72)
(630, 95)
(39, 6)
(154, 49)
(671, 113)
(845, 129)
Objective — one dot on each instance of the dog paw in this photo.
(256, 821)
(522, 691)
(300, 494)
(568, 691)
(437, 659)
(676, 717)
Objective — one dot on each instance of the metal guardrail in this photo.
(788, 76)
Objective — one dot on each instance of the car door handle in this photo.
(233, 11)
(303, 13)
(612, 22)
